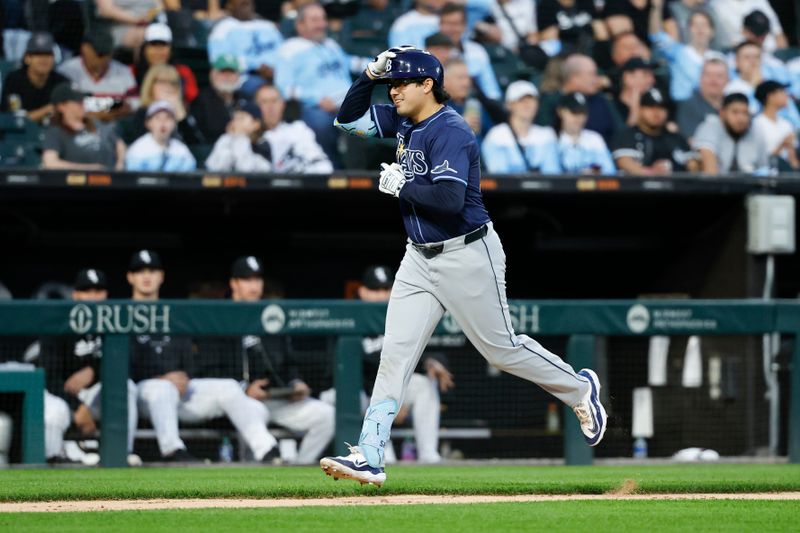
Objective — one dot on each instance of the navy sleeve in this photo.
(446, 196)
(357, 100)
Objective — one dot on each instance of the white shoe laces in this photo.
(584, 414)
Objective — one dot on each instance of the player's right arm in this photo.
(356, 116)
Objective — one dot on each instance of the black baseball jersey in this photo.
(156, 355)
(246, 358)
(647, 149)
(60, 357)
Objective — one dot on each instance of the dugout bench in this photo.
(582, 321)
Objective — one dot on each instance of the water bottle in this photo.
(553, 422)
(226, 450)
(409, 451)
(640, 448)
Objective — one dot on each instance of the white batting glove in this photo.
(380, 65)
(392, 179)
(377, 67)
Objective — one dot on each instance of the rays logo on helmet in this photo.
(388, 65)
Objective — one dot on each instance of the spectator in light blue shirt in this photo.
(686, 60)
(453, 24)
(313, 69)
(580, 151)
(520, 146)
(158, 150)
(412, 27)
(254, 42)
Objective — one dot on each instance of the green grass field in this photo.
(307, 482)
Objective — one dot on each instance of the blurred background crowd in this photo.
(644, 87)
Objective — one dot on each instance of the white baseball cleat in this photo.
(590, 411)
(353, 466)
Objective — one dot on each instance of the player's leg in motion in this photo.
(411, 317)
(473, 289)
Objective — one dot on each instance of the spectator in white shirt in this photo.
(776, 131)
(243, 148)
(293, 147)
(517, 22)
(729, 16)
(158, 150)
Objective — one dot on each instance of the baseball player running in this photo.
(454, 260)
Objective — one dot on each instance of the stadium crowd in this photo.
(641, 87)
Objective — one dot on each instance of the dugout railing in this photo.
(583, 322)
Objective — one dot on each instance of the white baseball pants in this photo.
(205, 398)
(316, 418)
(57, 419)
(91, 398)
(469, 282)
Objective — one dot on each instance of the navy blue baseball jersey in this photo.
(441, 147)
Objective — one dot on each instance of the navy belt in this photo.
(433, 251)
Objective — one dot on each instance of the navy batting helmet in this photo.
(413, 63)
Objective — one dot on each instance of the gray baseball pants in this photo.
(469, 282)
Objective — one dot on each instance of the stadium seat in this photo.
(7, 66)
(787, 54)
(201, 153)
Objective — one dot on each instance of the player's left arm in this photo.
(449, 160)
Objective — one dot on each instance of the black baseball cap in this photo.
(145, 259)
(438, 39)
(247, 267)
(733, 98)
(575, 102)
(765, 88)
(40, 42)
(637, 63)
(378, 277)
(757, 22)
(101, 41)
(63, 92)
(653, 98)
(89, 278)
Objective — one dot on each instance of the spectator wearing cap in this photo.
(163, 83)
(76, 141)
(519, 145)
(251, 39)
(776, 131)
(728, 143)
(636, 79)
(453, 23)
(164, 369)
(108, 82)
(28, 89)
(441, 46)
(580, 151)
(686, 60)
(315, 70)
(413, 26)
(213, 107)
(749, 72)
(72, 369)
(157, 50)
(430, 378)
(729, 17)
(158, 150)
(706, 100)
(267, 373)
(647, 148)
(243, 147)
(755, 29)
(293, 147)
(128, 19)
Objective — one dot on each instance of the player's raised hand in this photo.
(378, 66)
(392, 179)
